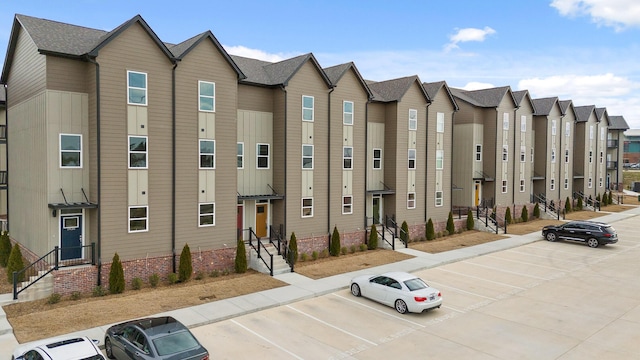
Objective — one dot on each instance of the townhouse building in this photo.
(615, 152)
(589, 148)
(524, 147)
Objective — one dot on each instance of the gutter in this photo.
(98, 166)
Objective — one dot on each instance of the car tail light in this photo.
(206, 357)
(607, 235)
(439, 294)
(419, 298)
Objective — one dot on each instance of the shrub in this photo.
(610, 200)
(431, 232)
(225, 272)
(293, 247)
(116, 276)
(199, 275)
(344, 250)
(451, 228)
(404, 234)
(154, 280)
(363, 247)
(241, 257)
(525, 214)
(214, 273)
(186, 267)
(352, 249)
(99, 291)
(314, 255)
(470, 222)
(324, 254)
(580, 204)
(507, 216)
(303, 257)
(15, 263)
(334, 249)
(76, 295)
(536, 211)
(172, 278)
(567, 205)
(5, 248)
(372, 244)
(136, 283)
(598, 198)
(54, 298)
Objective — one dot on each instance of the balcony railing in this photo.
(612, 143)
(612, 165)
(3, 132)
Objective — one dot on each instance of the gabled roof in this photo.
(583, 112)
(433, 88)
(271, 74)
(617, 122)
(335, 73)
(543, 106)
(565, 105)
(520, 95)
(485, 97)
(601, 114)
(394, 90)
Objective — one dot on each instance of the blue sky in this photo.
(581, 50)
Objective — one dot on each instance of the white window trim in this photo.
(344, 158)
(566, 155)
(146, 88)
(553, 155)
(302, 207)
(505, 187)
(415, 163)
(374, 159)
(241, 156)
(411, 203)
(523, 153)
(440, 122)
(146, 229)
(505, 121)
(308, 157)
(478, 152)
(69, 151)
(590, 182)
(200, 214)
(566, 183)
(200, 95)
(258, 156)
(553, 127)
(552, 184)
(439, 200)
(350, 205)
(413, 119)
(522, 185)
(129, 152)
(567, 129)
(344, 113)
(313, 110)
(523, 123)
(505, 153)
(200, 154)
(439, 159)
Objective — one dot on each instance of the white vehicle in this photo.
(67, 348)
(401, 290)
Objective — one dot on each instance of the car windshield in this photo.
(416, 284)
(175, 343)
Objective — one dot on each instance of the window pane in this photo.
(137, 144)
(207, 89)
(307, 102)
(70, 159)
(69, 142)
(307, 114)
(348, 107)
(137, 160)
(138, 212)
(138, 80)
(263, 150)
(307, 151)
(206, 161)
(206, 220)
(137, 96)
(263, 162)
(206, 208)
(207, 147)
(136, 225)
(206, 103)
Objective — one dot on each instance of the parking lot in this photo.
(541, 300)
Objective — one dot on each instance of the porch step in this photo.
(42, 289)
(280, 266)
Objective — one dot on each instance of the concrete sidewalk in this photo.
(301, 287)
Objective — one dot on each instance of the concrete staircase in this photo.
(280, 266)
(42, 289)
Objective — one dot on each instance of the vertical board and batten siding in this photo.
(307, 81)
(27, 76)
(375, 140)
(135, 50)
(523, 169)
(30, 216)
(554, 141)
(348, 182)
(278, 154)
(579, 157)
(390, 157)
(490, 152)
(91, 217)
(602, 147)
(504, 169)
(590, 145)
(567, 143)
(439, 179)
(205, 63)
(254, 127)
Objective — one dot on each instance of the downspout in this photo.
(561, 134)
(6, 153)
(453, 115)
(426, 151)
(329, 161)
(173, 165)
(367, 161)
(98, 171)
(284, 217)
(497, 161)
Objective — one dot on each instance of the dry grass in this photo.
(330, 266)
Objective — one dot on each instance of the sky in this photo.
(586, 51)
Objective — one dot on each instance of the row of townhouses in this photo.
(121, 141)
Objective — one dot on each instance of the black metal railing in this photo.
(263, 254)
(49, 262)
(490, 219)
(3, 132)
(612, 143)
(4, 177)
(279, 242)
(612, 165)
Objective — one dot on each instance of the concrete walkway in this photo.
(301, 287)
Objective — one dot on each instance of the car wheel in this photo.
(401, 306)
(355, 290)
(593, 243)
(108, 348)
(551, 236)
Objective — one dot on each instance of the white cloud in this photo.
(618, 14)
(468, 34)
(256, 53)
(477, 86)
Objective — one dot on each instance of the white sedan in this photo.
(401, 290)
(61, 348)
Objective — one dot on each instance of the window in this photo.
(553, 127)
(347, 112)
(567, 129)
(240, 160)
(523, 123)
(553, 155)
(411, 200)
(307, 156)
(531, 154)
(566, 183)
(590, 156)
(600, 181)
(590, 182)
(439, 159)
(478, 152)
(505, 121)
(566, 155)
(137, 88)
(552, 185)
(377, 159)
(347, 205)
(207, 214)
(523, 153)
(347, 157)
(70, 151)
(440, 122)
(207, 95)
(505, 152)
(262, 156)
(412, 158)
(307, 207)
(591, 132)
(138, 218)
(601, 157)
(504, 186)
(413, 119)
(602, 133)
(138, 152)
(521, 185)
(207, 154)
(439, 200)
(307, 108)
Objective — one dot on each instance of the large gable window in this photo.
(207, 96)
(136, 88)
(70, 151)
(138, 152)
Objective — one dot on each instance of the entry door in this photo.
(261, 220)
(70, 237)
(376, 209)
(477, 188)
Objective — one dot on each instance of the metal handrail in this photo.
(260, 247)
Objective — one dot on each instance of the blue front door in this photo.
(70, 237)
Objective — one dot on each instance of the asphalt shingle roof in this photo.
(617, 122)
(393, 90)
(543, 106)
(433, 88)
(583, 112)
(484, 97)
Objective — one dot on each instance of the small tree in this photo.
(431, 232)
(116, 276)
(536, 211)
(15, 263)
(567, 205)
(5, 248)
(373, 238)
(186, 267)
(470, 222)
(451, 227)
(610, 197)
(525, 214)
(580, 204)
(507, 216)
(241, 257)
(404, 234)
(293, 248)
(334, 249)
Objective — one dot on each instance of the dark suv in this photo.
(591, 233)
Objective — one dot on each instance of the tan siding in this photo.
(254, 128)
(255, 98)
(278, 156)
(66, 74)
(440, 104)
(27, 74)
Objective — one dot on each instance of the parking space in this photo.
(542, 300)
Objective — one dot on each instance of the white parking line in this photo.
(568, 252)
(267, 340)
(542, 256)
(331, 326)
(379, 311)
(505, 271)
(524, 262)
(479, 278)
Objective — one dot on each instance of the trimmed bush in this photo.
(525, 214)
(314, 255)
(404, 234)
(15, 263)
(172, 278)
(567, 205)
(431, 232)
(186, 267)
(116, 276)
(507, 215)
(76, 295)
(293, 247)
(154, 280)
(54, 298)
(136, 283)
(536, 211)
(580, 204)
(344, 250)
(451, 227)
(334, 249)
(98, 291)
(610, 201)
(372, 244)
(5, 248)
(241, 257)
(470, 221)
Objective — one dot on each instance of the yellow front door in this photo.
(477, 193)
(261, 220)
